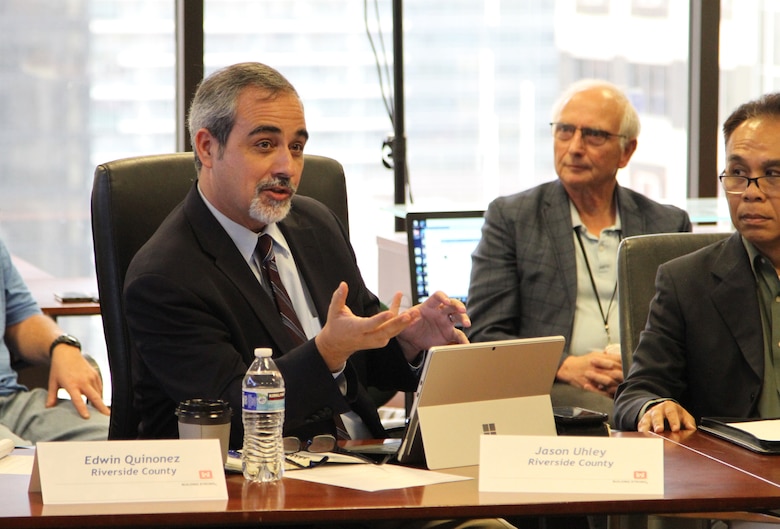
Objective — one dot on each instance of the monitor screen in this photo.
(440, 247)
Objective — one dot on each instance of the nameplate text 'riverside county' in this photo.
(129, 471)
(570, 464)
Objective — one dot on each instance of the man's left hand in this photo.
(440, 315)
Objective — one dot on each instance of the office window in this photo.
(749, 56)
(480, 80)
(83, 82)
(86, 81)
(599, 7)
(650, 8)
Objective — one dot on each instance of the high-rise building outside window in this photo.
(480, 78)
(86, 81)
(749, 55)
(83, 82)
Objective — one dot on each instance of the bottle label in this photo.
(259, 400)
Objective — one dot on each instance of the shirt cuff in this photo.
(341, 379)
(649, 404)
(416, 364)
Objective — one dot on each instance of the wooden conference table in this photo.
(702, 474)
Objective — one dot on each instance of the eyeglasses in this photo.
(319, 444)
(736, 185)
(593, 137)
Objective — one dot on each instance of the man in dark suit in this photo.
(546, 263)
(197, 301)
(710, 346)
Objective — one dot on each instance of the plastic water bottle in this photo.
(262, 403)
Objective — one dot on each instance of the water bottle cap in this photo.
(263, 352)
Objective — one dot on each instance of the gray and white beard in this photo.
(269, 213)
(273, 211)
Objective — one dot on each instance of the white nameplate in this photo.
(128, 471)
(568, 464)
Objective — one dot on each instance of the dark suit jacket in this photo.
(196, 313)
(524, 271)
(703, 345)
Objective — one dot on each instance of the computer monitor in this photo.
(440, 245)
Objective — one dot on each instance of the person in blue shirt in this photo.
(31, 415)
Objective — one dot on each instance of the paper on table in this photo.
(767, 430)
(371, 478)
(14, 464)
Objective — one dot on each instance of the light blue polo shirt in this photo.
(16, 305)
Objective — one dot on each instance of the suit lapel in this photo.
(735, 281)
(631, 220)
(557, 221)
(218, 244)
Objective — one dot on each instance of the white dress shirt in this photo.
(246, 242)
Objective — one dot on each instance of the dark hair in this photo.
(214, 104)
(767, 105)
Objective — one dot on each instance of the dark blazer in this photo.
(703, 345)
(524, 271)
(196, 313)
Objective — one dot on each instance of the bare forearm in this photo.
(31, 338)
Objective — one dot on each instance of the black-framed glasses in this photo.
(320, 445)
(737, 184)
(593, 137)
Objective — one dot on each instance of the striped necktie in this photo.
(265, 252)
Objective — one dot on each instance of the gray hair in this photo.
(629, 123)
(214, 104)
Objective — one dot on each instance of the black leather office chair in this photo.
(130, 198)
(638, 261)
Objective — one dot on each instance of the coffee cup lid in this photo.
(207, 410)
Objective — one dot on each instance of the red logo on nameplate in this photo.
(205, 474)
(640, 474)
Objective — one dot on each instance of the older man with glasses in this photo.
(712, 342)
(546, 264)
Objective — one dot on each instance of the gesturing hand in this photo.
(344, 332)
(436, 326)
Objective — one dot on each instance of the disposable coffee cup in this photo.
(205, 419)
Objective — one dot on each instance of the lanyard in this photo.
(604, 316)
